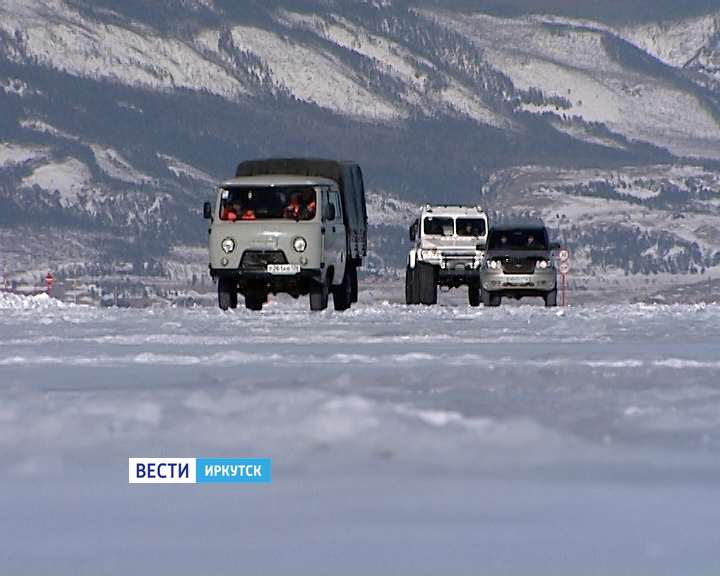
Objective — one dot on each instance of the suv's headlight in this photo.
(299, 244)
(542, 264)
(493, 264)
(228, 245)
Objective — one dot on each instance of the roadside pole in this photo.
(564, 267)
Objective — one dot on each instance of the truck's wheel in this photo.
(342, 294)
(550, 298)
(411, 286)
(426, 276)
(254, 300)
(225, 291)
(233, 297)
(474, 292)
(352, 275)
(319, 295)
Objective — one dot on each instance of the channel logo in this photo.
(200, 470)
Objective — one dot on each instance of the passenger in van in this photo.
(232, 211)
(293, 209)
(248, 214)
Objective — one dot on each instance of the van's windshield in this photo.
(269, 202)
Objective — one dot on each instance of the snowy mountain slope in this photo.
(53, 34)
(409, 69)
(578, 64)
(556, 60)
(692, 45)
(120, 117)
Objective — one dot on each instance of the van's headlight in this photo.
(228, 245)
(299, 243)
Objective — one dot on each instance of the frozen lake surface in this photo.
(404, 440)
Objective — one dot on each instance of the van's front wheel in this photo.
(226, 289)
(319, 293)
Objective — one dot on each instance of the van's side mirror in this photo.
(207, 211)
(330, 212)
(481, 246)
(413, 231)
(555, 246)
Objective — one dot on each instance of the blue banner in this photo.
(233, 470)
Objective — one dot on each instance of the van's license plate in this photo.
(283, 268)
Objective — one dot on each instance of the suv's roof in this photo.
(453, 211)
(278, 180)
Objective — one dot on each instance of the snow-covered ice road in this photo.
(404, 440)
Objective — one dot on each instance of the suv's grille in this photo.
(261, 258)
(519, 266)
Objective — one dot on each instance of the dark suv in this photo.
(518, 262)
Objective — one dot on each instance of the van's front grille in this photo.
(259, 259)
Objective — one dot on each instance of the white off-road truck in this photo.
(448, 246)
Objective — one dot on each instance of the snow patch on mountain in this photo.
(43, 127)
(386, 210)
(11, 154)
(18, 87)
(312, 76)
(580, 132)
(114, 165)
(182, 170)
(675, 43)
(68, 178)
